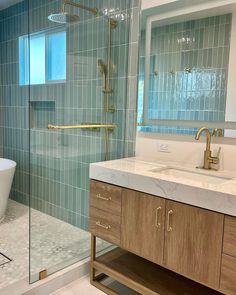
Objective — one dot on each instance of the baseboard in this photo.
(50, 284)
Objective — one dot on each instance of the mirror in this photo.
(187, 68)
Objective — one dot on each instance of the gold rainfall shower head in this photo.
(64, 17)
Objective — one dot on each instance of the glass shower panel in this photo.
(69, 124)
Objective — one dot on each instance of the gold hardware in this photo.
(169, 227)
(140, 124)
(98, 223)
(83, 126)
(113, 23)
(66, 2)
(108, 128)
(103, 198)
(217, 132)
(156, 73)
(105, 69)
(188, 70)
(158, 224)
(96, 280)
(43, 274)
(208, 158)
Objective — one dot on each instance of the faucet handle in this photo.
(215, 160)
(218, 153)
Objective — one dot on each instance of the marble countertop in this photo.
(146, 176)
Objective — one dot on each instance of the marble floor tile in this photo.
(83, 287)
(54, 244)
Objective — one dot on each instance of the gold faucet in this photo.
(208, 159)
(217, 132)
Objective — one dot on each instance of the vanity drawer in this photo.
(105, 197)
(105, 225)
(228, 275)
(229, 246)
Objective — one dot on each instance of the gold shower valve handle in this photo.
(158, 224)
(169, 227)
(107, 227)
(99, 196)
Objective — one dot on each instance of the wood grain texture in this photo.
(194, 246)
(146, 277)
(139, 233)
(228, 275)
(112, 234)
(105, 197)
(229, 246)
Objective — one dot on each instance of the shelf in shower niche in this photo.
(41, 112)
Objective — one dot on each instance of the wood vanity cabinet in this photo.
(185, 239)
(180, 237)
(228, 269)
(105, 211)
(193, 242)
(142, 225)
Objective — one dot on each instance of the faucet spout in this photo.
(208, 137)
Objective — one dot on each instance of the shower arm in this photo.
(67, 2)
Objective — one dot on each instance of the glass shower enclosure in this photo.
(75, 61)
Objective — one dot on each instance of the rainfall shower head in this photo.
(64, 17)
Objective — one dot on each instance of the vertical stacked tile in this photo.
(189, 67)
(14, 99)
(59, 160)
(1, 98)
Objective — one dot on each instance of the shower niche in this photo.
(42, 112)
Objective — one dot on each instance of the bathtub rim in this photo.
(7, 164)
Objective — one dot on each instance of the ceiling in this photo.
(7, 3)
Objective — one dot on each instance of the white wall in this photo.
(153, 3)
(185, 151)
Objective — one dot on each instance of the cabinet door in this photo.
(193, 242)
(142, 227)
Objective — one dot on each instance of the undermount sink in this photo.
(192, 175)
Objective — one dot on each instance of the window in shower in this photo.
(42, 58)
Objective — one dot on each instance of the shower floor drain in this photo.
(4, 259)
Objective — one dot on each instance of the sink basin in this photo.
(192, 175)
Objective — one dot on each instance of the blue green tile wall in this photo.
(58, 170)
(14, 112)
(174, 94)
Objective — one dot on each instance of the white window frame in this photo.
(45, 33)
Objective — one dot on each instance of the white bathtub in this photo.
(7, 171)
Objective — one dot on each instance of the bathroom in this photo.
(117, 147)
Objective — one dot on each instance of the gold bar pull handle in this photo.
(169, 227)
(99, 196)
(105, 226)
(83, 126)
(158, 210)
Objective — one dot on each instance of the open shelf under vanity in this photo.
(144, 276)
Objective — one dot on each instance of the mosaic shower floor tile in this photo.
(54, 244)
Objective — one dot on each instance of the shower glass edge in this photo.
(70, 92)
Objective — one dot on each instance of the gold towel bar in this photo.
(83, 126)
